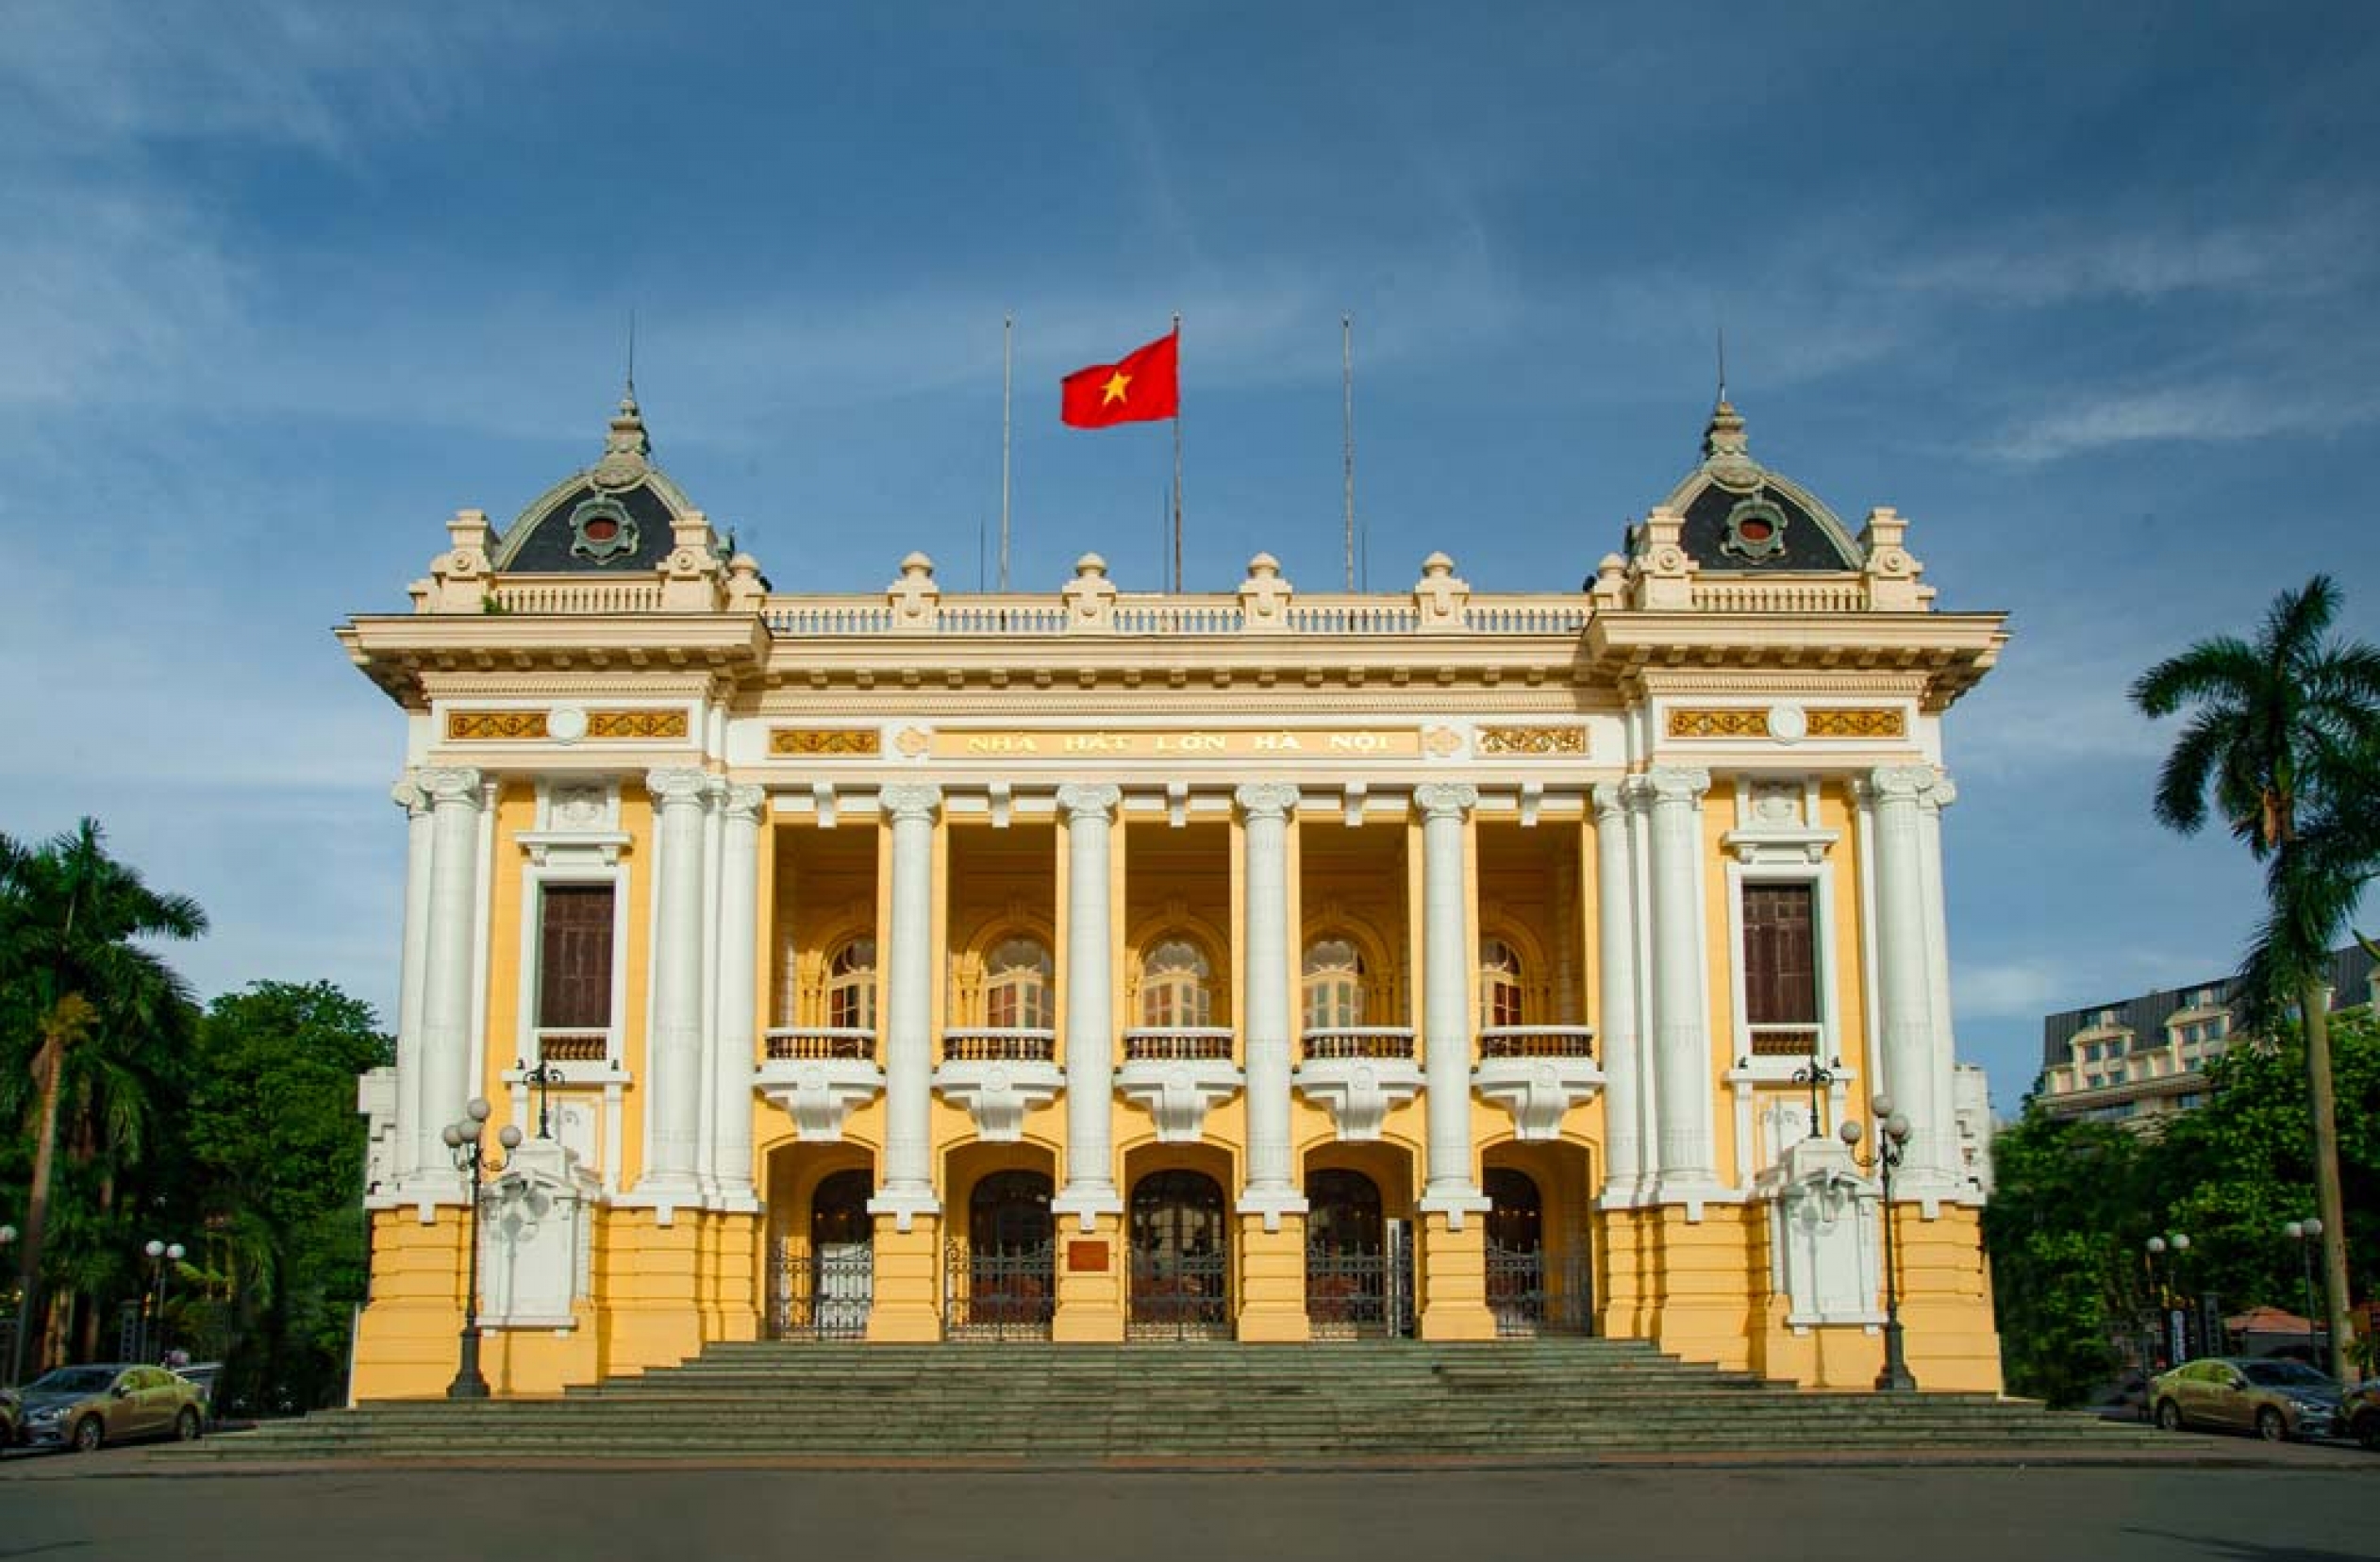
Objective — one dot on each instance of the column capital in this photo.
(679, 788)
(1678, 783)
(910, 802)
(1901, 783)
(1943, 793)
(408, 794)
(1610, 799)
(1445, 799)
(745, 804)
(450, 784)
(1266, 799)
(1078, 798)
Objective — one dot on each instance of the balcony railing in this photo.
(1178, 1044)
(558, 1045)
(1795, 1040)
(1497, 1041)
(1390, 1042)
(820, 1044)
(1000, 1044)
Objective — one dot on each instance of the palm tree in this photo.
(2281, 734)
(91, 1015)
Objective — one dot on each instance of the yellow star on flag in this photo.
(1115, 389)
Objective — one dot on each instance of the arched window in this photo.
(851, 986)
(1174, 986)
(1017, 986)
(1334, 985)
(1499, 983)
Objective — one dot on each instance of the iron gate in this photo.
(1001, 1293)
(823, 1294)
(1360, 1292)
(1180, 1295)
(1531, 1292)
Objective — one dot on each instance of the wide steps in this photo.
(1037, 1404)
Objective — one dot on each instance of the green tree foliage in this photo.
(2075, 1203)
(278, 1151)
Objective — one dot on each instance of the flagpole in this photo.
(1007, 333)
(1347, 393)
(1177, 454)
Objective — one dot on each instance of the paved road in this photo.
(2305, 1513)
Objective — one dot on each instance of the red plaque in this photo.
(1086, 1257)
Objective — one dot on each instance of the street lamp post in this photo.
(2170, 1248)
(162, 1257)
(1893, 1139)
(1820, 1078)
(2306, 1234)
(543, 1078)
(463, 1140)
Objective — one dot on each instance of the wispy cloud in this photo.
(2221, 410)
(2099, 256)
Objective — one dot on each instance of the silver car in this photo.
(2274, 1398)
(85, 1407)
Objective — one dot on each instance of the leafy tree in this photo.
(92, 1029)
(2281, 734)
(2071, 1204)
(278, 1151)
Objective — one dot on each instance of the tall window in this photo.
(1780, 965)
(1334, 985)
(575, 957)
(1017, 986)
(1174, 986)
(1499, 983)
(851, 986)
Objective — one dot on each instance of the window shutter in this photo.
(1780, 955)
(574, 976)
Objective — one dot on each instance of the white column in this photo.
(1905, 987)
(409, 795)
(737, 1038)
(1446, 1015)
(1088, 936)
(447, 961)
(1681, 1026)
(1615, 1027)
(1272, 1188)
(907, 1190)
(1945, 1063)
(674, 1057)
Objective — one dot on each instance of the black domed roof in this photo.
(1742, 517)
(615, 518)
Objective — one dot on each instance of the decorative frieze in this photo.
(1546, 741)
(847, 743)
(1857, 722)
(1752, 722)
(1788, 722)
(564, 726)
(636, 724)
(472, 726)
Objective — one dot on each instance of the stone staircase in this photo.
(1181, 1404)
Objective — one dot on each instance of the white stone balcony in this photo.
(999, 1074)
(1178, 1073)
(817, 1075)
(1360, 1073)
(1536, 1073)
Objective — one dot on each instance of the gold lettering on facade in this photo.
(814, 741)
(1533, 740)
(1172, 744)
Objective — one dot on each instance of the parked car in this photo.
(2360, 1413)
(2272, 1398)
(11, 1418)
(84, 1408)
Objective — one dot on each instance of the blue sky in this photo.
(2084, 292)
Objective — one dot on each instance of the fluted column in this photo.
(1905, 990)
(907, 1186)
(739, 952)
(1088, 937)
(1446, 1014)
(447, 959)
(674, 1057)
(1944, 1072)
(1272, 1188)
(1616, 986)
(1681, 1026)
(409, 795)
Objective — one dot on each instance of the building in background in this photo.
(1258, 965)
(2141, 1061)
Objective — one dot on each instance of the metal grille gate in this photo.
(1532, 1292)
(1001, 1293)
(1362, 1292)
(820, 1295)
(1180, 1296)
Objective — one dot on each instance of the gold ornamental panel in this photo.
(1751, 723)
(636, 724)
(1533, 740)
(474, 726)
(1179, 743)
(1817, 722)
(849, 742)
(1857, 722)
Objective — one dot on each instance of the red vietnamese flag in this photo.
(1141, 386)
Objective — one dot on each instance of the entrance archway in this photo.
(1358, 1265)
(1181, 1243)
(821, 1251)
(1004, 1278)
(1541, 1277)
